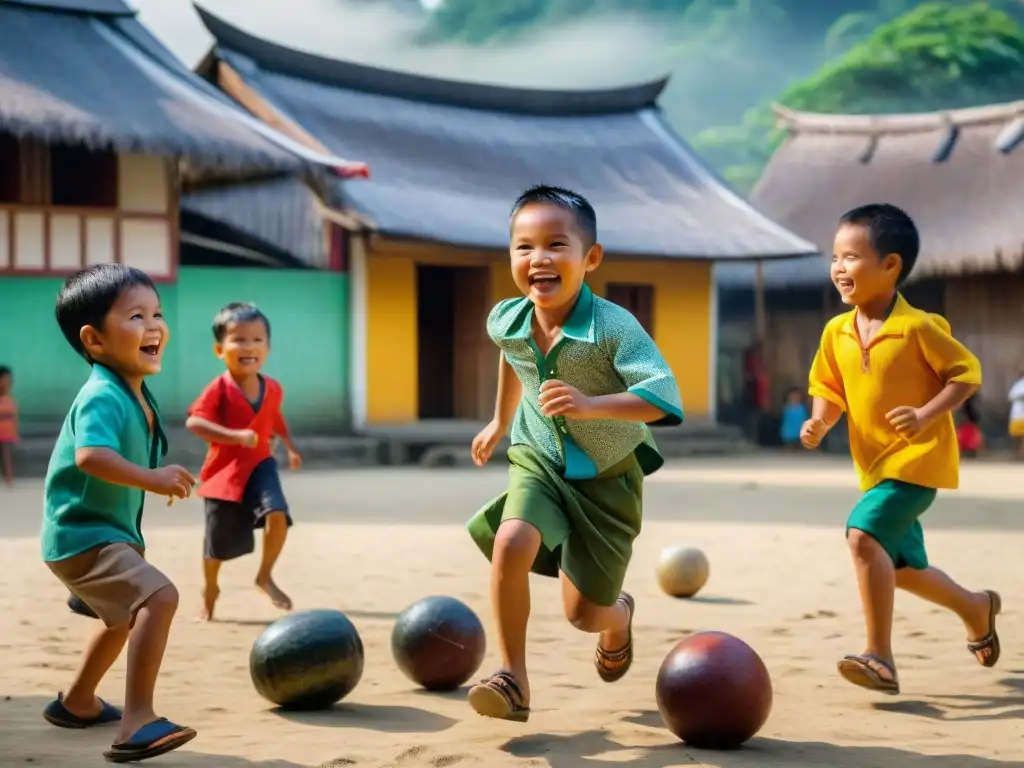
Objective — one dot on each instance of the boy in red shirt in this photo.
(238, 414)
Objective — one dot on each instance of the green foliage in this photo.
(936, 56)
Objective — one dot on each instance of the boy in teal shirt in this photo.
(579, 380)
(106, 457)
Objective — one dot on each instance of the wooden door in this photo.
(475, 356)
(637, 298)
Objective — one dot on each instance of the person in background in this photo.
(1016, 397)
(794, 414)
(8, 423)
(968, 434)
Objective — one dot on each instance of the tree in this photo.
(936, 56)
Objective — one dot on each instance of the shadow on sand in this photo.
(580, 751)
(966, 708)
(372, 717)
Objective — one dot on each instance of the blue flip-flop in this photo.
(151, 740)
(57, 714)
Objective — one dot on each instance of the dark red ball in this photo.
(713, 691)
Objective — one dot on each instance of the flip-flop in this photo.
(858, 671)
(499, 696)
(151, 740)
(55, 713)
(622, 658)
(991, 641)
(79, 606)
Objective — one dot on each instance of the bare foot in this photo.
(209, 601)
(275, 593)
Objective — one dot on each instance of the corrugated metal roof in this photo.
(448, 172)
(104, 81)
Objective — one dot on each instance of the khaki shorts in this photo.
(114, 580)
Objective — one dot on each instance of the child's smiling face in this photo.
(549, 257)
(133, 335)
(245, 347)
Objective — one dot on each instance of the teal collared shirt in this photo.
(80, 511)
(603, 350)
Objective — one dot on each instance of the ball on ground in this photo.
(682, 571)
(713, 691)
(438, 643)
(307, 660)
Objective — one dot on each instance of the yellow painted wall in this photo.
(682, 317)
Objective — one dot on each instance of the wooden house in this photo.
(959, 174)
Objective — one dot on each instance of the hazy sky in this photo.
(588, 54)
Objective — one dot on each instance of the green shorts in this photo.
(889, 513)
(587, 527)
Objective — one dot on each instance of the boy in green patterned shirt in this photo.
(579, 380)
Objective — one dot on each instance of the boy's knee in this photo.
(164, 601)
(581, 613)
(863, 546)
(516, 543)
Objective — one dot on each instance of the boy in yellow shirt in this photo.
(898, 374)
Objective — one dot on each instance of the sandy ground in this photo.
(371, 542)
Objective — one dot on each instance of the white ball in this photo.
(682, 571)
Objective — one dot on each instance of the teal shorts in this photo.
(889, 513)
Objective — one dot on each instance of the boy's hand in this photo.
(485, 442)
(294, 459)
(905, 420)
(172, 481)
(559, 399)
(812, 432)
(248, 438)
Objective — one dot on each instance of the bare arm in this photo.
(510, 392)
(623, 406)
(110, 467)
(214, 433)
(952, 396)
(282, 431)
(825, 411)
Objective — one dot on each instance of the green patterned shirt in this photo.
(603, 350)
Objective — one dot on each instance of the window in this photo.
(82, 178)
(10, 169)
(638, 299)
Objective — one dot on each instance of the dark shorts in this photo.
(230, 524)
(889, 513)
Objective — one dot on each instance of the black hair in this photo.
(891, 231)
(237, 312)
(581, 209)
(87, 296)
(5, 370)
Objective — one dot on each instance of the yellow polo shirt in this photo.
(908, 362)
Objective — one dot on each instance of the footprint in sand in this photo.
(780, 631)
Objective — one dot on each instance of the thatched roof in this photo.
(88, 72)
(448, 158)
(959, 174)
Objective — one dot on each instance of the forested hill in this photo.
(731, 58)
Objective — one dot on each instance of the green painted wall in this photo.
(308, 312)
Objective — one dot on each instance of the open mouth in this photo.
(248, 360)
(152, 350)
(844, 285)
(545, 281)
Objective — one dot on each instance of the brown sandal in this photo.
(622, 659)
(857, 669)
(990, 642)
(499, 696)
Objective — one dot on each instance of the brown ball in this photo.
(682, 571)
(713, 691)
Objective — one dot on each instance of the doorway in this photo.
(454, 351)
(637, 298)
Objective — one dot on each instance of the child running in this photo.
(898, 374)
(238, 414)
(106, 458)
(8, 423)
(1016, 397)
(579, 380)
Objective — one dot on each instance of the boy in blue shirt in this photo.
(579, 380)
(106, 458)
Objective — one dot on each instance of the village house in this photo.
(100, 128)
(425, 241)
(958, 173)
